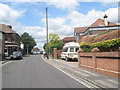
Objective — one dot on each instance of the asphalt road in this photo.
(33, 72)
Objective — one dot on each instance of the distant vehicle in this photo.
(69, 51)
(41, 52)
(16, 55)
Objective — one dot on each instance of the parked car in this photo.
(16, 55)
(69, 51)
(6, 54)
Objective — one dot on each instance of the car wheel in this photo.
(20, 58)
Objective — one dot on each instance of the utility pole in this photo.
(47, 29)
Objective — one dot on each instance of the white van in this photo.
(69, 51)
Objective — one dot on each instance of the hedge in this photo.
(102, 44)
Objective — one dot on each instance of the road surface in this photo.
(33, 72)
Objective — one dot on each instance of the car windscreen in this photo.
(15, 53)
(65, 49)
(72, 49)
(76, 49)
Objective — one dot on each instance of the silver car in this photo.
(16, 55)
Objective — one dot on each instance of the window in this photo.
(71, 49)
(65, 49)
(76, 49)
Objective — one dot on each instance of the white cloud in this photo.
(79, 19)
(112, 14)
(62, 4)
(8, 15)
(38, 33)
(54, 23)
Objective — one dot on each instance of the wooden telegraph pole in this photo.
(47, 29)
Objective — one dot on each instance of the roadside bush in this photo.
(86, 47)
(108, 44)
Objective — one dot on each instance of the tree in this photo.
(55, 42)
(28, 41)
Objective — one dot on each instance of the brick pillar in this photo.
(79, 59)
(94, 50)
(55, 53)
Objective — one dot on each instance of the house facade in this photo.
(99, 26)
(12, 39)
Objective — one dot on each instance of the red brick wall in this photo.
(57, 53)
(103, 62)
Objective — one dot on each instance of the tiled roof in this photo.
(100, 22)
(6, 29)
(80, 29)
(97, 23)
(69, 39)
(108, 36)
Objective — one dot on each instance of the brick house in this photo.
(12, 39)
(68, 39)
(97, 27)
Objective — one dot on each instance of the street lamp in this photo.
(27, 49)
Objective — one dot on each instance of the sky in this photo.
(63, 16)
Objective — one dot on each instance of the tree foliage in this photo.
(28, 41)
(55, 42)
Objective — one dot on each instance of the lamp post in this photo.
(27, 49)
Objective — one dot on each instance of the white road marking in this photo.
(89, 72)
(116, 82)
(5, 63)
(105, 83)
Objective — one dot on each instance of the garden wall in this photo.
(103, 62)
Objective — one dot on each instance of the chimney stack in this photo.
(9, 26)
(105, 20)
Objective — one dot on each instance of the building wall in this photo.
(103, 62)
(1, 46)
(12, 37)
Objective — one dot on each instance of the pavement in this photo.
(85, 75)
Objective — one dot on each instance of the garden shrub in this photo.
(103, 44)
